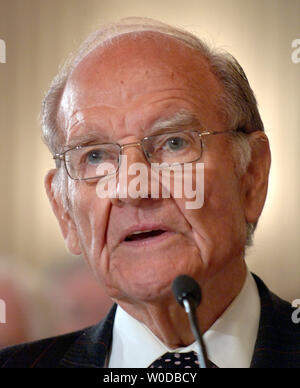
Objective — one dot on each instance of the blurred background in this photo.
(39, 35)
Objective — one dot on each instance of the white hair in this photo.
(237, 102)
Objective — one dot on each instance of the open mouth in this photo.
(144, 235)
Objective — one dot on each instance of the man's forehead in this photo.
(134, 45)
(135, 64)
(126, 57)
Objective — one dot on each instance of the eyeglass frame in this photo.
(58, 157)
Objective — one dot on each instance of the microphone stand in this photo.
(191, 312)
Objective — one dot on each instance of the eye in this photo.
(95, 156)
(175, 143)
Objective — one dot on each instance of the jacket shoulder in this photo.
(280, 312)
(86, 348)
(277, 342)
(44, 353)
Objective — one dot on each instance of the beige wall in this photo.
(39, 34)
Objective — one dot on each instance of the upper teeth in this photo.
(142, 231)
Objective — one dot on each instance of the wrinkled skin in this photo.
(118, 92)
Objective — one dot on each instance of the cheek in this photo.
(91, 216)
(214, 191)
(219, 225)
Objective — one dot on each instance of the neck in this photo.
(168, 320)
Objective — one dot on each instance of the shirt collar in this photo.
(229, 341)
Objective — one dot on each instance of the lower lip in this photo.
(149, 240)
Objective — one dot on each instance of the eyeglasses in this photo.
(83, 162)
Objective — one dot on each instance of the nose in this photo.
(133, 178)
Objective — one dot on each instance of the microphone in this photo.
(188, 294)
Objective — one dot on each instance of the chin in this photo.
(144, 287)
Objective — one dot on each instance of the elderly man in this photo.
(156, 94)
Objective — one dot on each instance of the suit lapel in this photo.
(91, 347)
(268, 345)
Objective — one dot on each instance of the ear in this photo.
(256, 177)
(62, 214)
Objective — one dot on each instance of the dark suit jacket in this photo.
(277, 344)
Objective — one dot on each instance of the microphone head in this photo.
(185, 287)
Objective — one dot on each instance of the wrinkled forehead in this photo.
(135, 64)
(137, 50)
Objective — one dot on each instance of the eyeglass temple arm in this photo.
(206, 133)
(58, 158)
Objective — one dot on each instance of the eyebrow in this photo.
(182, 118)
(78, 140)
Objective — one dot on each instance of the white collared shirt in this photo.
(229, 341)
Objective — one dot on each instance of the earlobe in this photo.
(66, 223)
(256, 178)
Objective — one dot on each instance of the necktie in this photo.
(179, 360)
